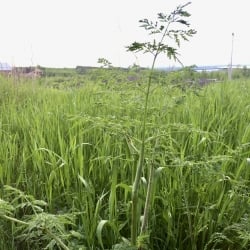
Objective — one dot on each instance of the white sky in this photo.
(67, 33)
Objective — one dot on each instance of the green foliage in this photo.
(161, 30)
(59, 72)
(156, 47)
(37, 228)
(124, 246)
(69, 158)
(241, 73)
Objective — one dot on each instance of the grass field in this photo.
(68, 160)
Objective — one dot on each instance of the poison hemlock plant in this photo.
(37, 229)
(162, 32)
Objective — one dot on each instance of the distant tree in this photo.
(245, 71)
(104, 63)
(134, 66)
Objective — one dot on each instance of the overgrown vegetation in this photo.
(73, 141)
(183, 77)
(68, 160)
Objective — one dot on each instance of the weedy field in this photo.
(68, 159)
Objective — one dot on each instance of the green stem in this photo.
(144, 225)
(149, 195)
(15, 220)
(112, 197)
(135, 188)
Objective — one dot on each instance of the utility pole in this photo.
(230, 68)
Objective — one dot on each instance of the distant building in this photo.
(36, 73)
(27, 72)
(5, 69)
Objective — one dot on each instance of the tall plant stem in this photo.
(155, 48)
(144, 225)
(135, 188)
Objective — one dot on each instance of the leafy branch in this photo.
(161, 27)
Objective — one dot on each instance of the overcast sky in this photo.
(67, 33)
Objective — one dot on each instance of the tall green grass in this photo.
(71, 155)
